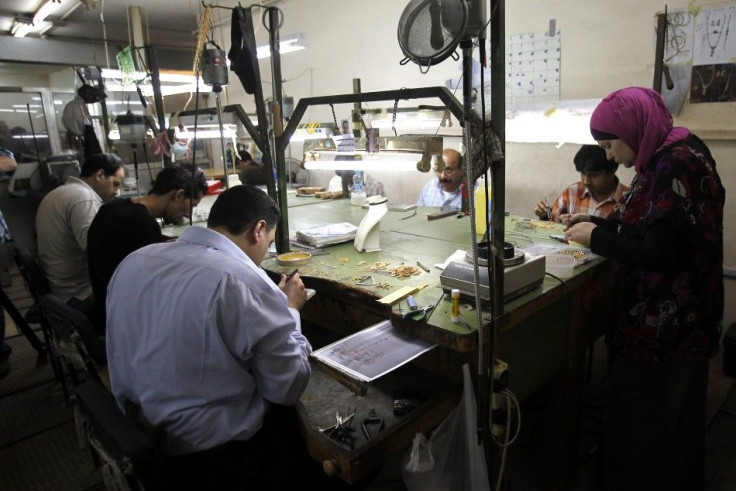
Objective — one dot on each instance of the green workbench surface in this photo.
(405, 239)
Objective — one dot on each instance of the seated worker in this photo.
(124, 225)
(204, 346)
(62, 221)
(595, 194)
(445, 189)
(251, 172)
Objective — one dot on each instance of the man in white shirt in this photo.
(62, 221)
(445, 190)
(202, 343)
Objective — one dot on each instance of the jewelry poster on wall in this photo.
(533, 67)
(714, 49)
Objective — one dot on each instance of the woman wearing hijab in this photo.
(666, 237)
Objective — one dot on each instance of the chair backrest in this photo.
(117, 438)
(32, 272)
(72, 324)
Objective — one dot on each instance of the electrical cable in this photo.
(104, 33)
(510, 397)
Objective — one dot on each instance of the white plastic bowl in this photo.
(560, 265)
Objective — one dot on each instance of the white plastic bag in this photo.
(420, 457)
(451, 459)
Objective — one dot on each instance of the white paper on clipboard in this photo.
(372, 352)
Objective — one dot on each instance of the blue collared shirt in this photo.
(433, 195)
(201, 340)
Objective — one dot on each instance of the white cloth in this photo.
(75, 116)
(62, 221)
(201, 339)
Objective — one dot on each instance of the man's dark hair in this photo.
(108, 162)
(240, 207)
(245, 155)
(180, 177)
(253, 174)
(592, 158)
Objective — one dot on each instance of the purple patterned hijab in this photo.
(640, 118)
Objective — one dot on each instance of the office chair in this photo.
(76, 338)
(130, 457)
(37, 284)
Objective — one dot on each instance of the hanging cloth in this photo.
(91, 143)
(242, 54)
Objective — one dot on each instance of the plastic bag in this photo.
(420, 457)
(451, 458)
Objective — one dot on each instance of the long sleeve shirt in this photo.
(667, 239)
(433, 195)
(201, 340)
(62, 221)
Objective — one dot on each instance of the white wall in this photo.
(605, 46)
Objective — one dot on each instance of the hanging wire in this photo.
(104, 33)
(334, 117)
(204, 27)
(393, 118)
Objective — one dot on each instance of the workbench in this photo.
(542, 335)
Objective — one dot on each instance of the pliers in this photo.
(371, 421)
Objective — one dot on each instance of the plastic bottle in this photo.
(358, 197)
(482, 208)
(455, 309)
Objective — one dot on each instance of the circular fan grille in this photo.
(429, 30)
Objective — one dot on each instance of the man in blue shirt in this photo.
(445, 189)
(202, 345)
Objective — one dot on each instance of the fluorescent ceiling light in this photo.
(171, 83)
(110, 73)
(288, 44)
(20, 29)
(382, 161)
(165, 89)
(43, 12)
(210, 134)
(406, 153)
(561, 122)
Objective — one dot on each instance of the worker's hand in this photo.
(543, 210)
(570, 220)
(580, 233)
(293, 287)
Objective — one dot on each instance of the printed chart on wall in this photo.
(714, 49)
(533, 67)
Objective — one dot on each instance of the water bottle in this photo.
(482, 207)
(358, 197)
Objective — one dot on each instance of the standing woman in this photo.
(666, 237)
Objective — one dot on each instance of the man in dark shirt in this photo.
(125, 225)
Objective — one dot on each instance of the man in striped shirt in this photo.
(445, 189)
(595, 194)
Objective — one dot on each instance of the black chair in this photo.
(75, 337)
(118, 441)
(37, 285)
(22, 322)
